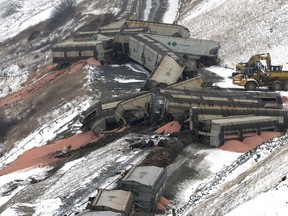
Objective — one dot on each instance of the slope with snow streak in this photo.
(79, 179)
(273, 203)
(24, 13)
(252, 173)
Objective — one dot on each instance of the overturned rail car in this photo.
(101, 114)
(186, 101)
(165, 66)
(217, 131)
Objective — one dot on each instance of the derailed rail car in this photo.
(203, 51)
(69, 51)
(160, 28)
(144, 53)
(165, 66)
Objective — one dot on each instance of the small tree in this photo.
(5, 126)
(62, 13)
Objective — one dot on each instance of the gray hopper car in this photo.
(148, 182)
(165, 66)
(160, 28)
(204, 51)
(220, 130)
(69, 51)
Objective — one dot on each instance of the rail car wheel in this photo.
(250, 86)
(277, 85)
(285, 86)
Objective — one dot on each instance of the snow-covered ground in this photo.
(273, 202)
(260, 28)
(17, 16)
(171, 13)
(251, 174)
(11, 79)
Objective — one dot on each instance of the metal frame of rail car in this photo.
(115, 25)
(141, 52)
(160, 28)
(168, 71)
(148, 182)
(179, 102)
(114, 200)
(133, 110)
(262, 99)
(165, 66)
(92, 118)
(189, 84)
(102, 111)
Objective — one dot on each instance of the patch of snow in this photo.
(19, 15)
(272, 202)
(19, 180)
(240, 34)
(214, 161)
(69, 165)
(137, 68)
(11, 79)
(147, 9)
(171, 13)
(243, 163)
(11, 211)
(47, 207)
(223, 158)
(120, 80)
(226, 74)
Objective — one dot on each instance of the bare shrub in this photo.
(34, 34)
(62, 13)
(5, 126)
(10, 9)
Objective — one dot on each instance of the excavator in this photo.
(254, 74)
(254, 61)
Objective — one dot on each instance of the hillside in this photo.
(243, 28)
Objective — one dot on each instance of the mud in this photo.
(171, 127)
(47, 155)
(41, 80)
(250, 141)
